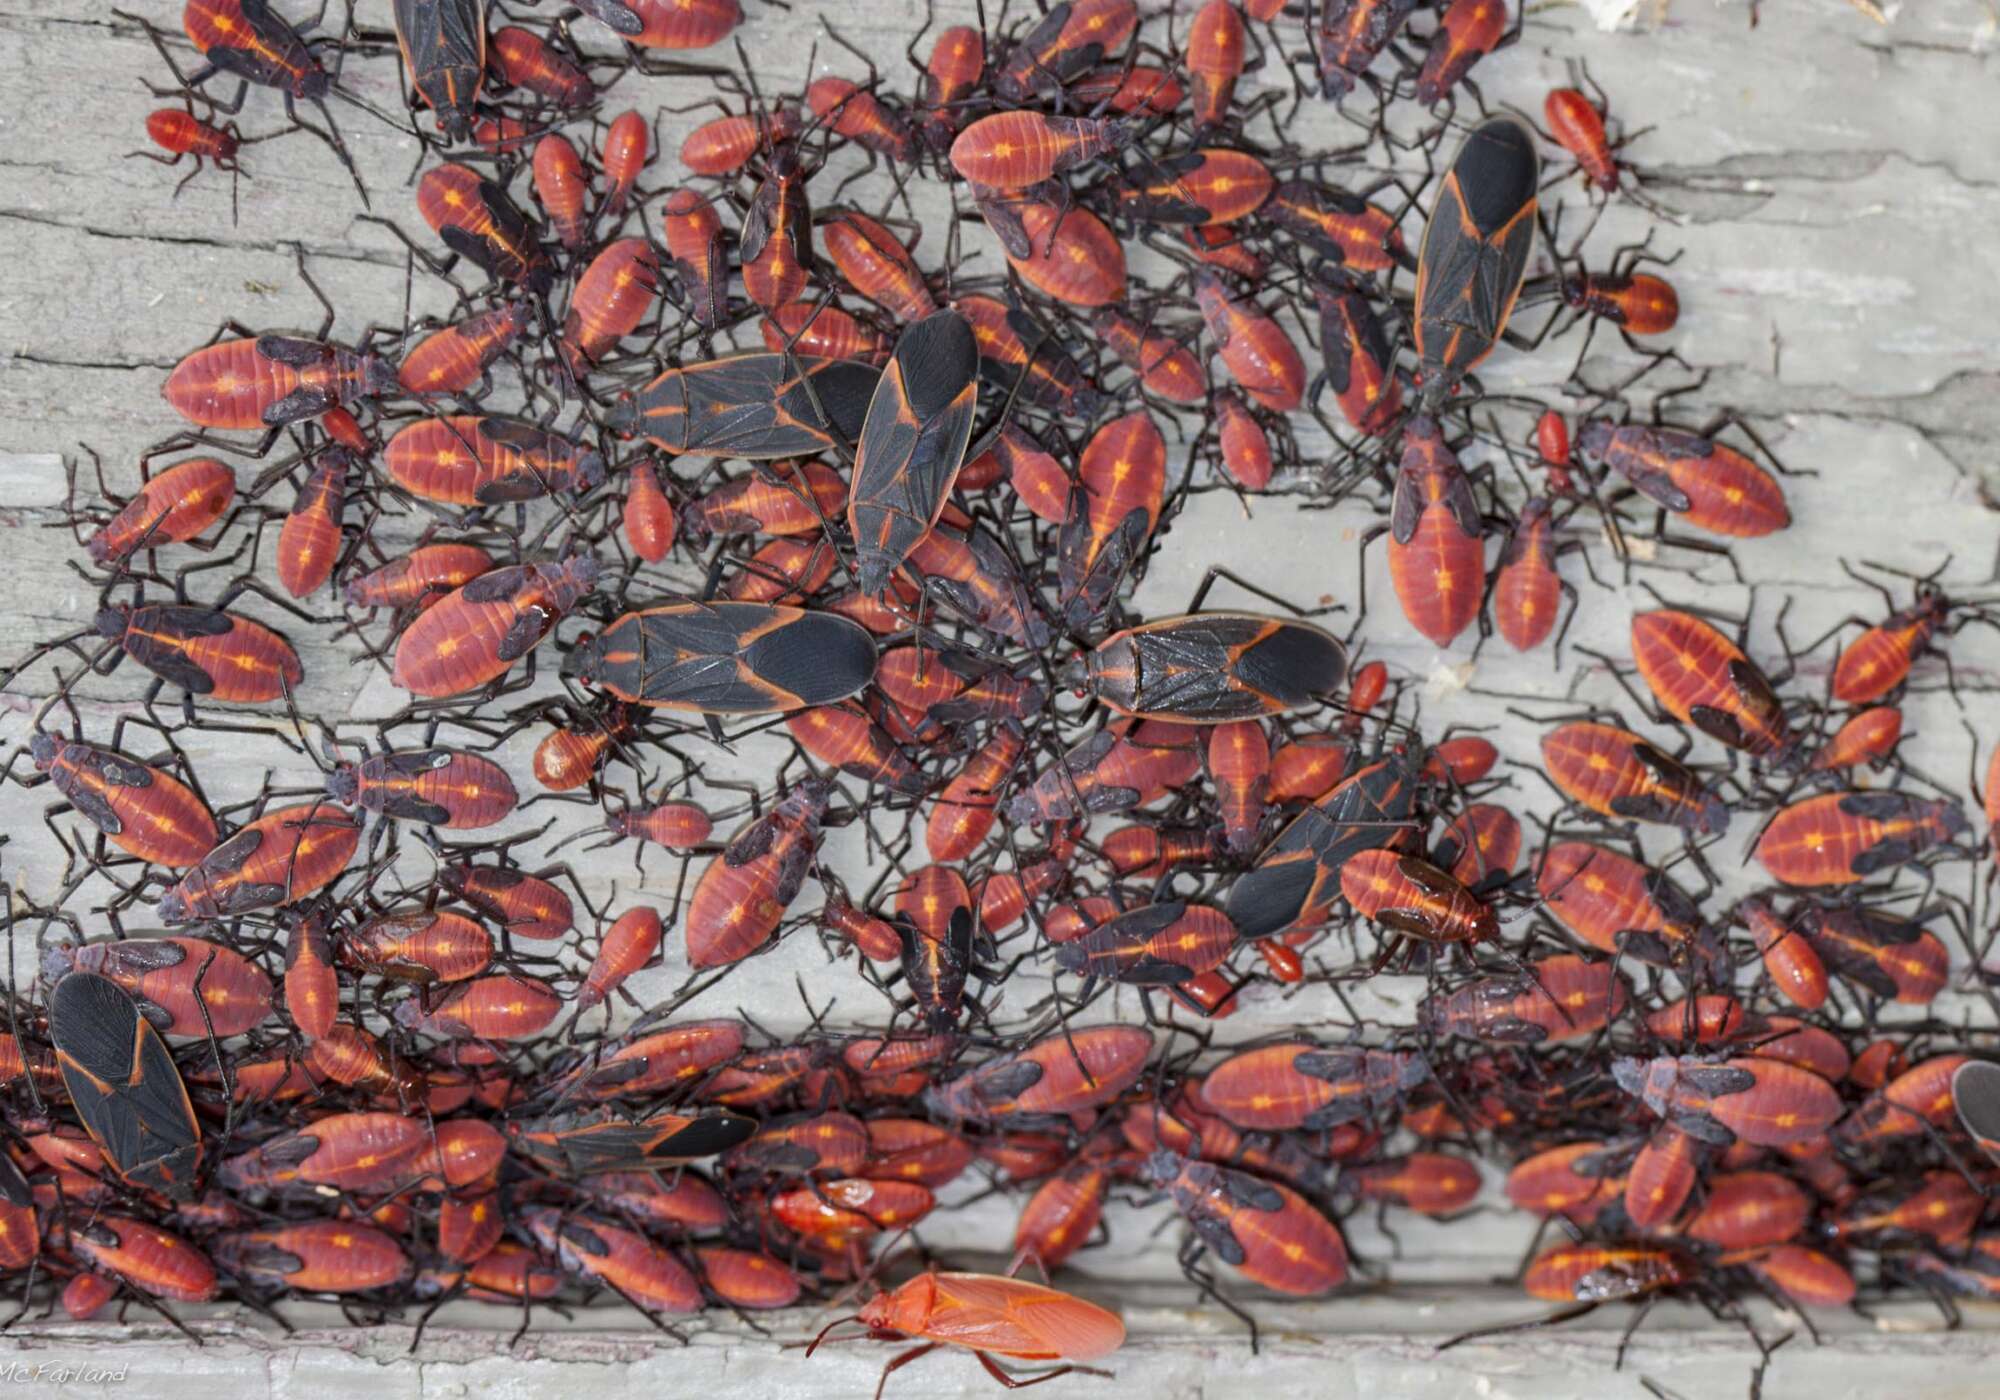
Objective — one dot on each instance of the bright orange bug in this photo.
(1703, 679)
(839, 1214)
(453, 359)
(1662, 1178)
(609, 301)
(1868, 736)
(970, 803)
(856, 115)
(1267, 1232)
(1436, 536)
(1469, 30)
(1481, 842)
(175, 506)
(1431, 1183)
(1123, 475)
(420, 577)
(989, 1316)
(628, 945)
(1617, 905)
(1215, 52)
(1255, 348)
(1042, 483)
(1790, 959)
(266, 382)
(475, 635)
(1527, 591)
(525, 905)
(144, 811)
(1942, 1207)
(1879, 660)
(1165, 367)
(1073, 37)
(625, 152)
(1246, 450)
(1589, 1274)
(744, 892)
(1015, 353)
(1239, 764)
(182, 133)
(1558, 998)
(501, 1007)
(1842, 837)
(1069, 255)
(1713, 486)
(472, 460)
(692, 231)
(520, 57)
(877, 265)
(1618, 773)
(280, 858)
(1345, 228)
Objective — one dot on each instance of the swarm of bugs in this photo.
(774, 514)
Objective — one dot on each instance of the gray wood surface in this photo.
(1839, 184)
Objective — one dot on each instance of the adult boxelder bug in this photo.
(754, 405)
(444, 54)
(912, 443)
(123, 1084)
(1475, 253)
(1205, 668)
(1295, 881)
(727, 658)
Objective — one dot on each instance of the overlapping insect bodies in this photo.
(722, 501)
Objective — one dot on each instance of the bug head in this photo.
(110, 622)
(343, 783)
(42, 750)
(1076, 673)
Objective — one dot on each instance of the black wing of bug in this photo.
(1881, 806)
(706, 1135)
(1214, 1229)
(913, 442)
(619, 19)
(999, 1083)
(14, 1187)
(1244, 1190)
(819, 658)
(123, 1082)
(292, 350)
(1720, 725)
